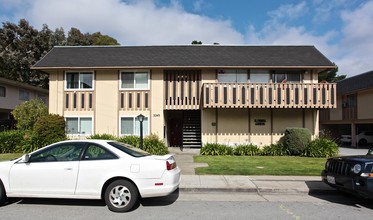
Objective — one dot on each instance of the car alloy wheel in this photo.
(121, 196)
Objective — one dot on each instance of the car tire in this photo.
(121, 196)
(2, 194)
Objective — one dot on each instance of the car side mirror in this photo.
(370, 151)
(25, 158)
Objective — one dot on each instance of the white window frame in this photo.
(80, 72)
(134, 83)
(134, 125)
(79, 124)
(287, 73)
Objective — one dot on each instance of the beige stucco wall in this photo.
(156, 102)
(56, 92)
(106, 102)
(365, 107)
(336, 113)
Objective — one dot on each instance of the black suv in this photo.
(353, 174)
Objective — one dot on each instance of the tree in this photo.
(99, 39)
(196, 42)
(21, 46)
(331, 76)
(27, 113)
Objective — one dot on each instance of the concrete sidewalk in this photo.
(255, 184)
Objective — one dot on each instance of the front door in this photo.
(176, 132)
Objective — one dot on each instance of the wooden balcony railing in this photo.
(269, 95)
(137, 100)
(79, 100)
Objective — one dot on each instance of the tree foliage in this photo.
(21, 46)
(27, 113)
(331, 76)
(196, 42)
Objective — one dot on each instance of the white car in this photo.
(90, 169)
(363, 138)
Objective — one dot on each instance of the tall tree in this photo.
(99, 39)
(331, 75)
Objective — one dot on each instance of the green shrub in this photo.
(131, 140)
(321, 147)
(103, 137)
(296, 140)
(247, 150)
(275, 150)
(153, 145)
(27, 113)
(11, 141)
(49, 129)
(216, 150)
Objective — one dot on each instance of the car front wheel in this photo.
(2, 194)
(121, 196)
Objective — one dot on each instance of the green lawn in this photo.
(260, 165)
(9, 156)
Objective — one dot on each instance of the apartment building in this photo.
(189, 95)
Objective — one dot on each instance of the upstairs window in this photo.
(259, 76)
(287, 76)
(2, 91)
(232, 76)
(24, 95)
(79, 80)
(134, 79)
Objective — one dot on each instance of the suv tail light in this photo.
(170, 166)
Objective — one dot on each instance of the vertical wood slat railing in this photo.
(79, 100)
(269, 95)
(130, 100)
(182, 89)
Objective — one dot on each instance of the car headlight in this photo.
(356, 168)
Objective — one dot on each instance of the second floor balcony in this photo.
(269, 95)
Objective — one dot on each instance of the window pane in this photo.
(72, 126)
(24, 95)
(2, 91)
(86, 80)
(127, 80)
(144, 127)
(85, 125)
(72, 80)
(259, 77)
(141, 80)
(126, 126)
(226, 77)
(280, 77)
(293, 77)
(241, 77)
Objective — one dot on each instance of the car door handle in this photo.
(68, 168)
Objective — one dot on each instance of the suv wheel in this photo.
(121, 196)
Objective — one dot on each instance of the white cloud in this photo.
(131, 22)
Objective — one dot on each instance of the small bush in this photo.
(27, 113)
(247, 150)
(49, 129)
(321, 147)
(275, 150)
(103, 137)
(296, 140)
(216, 150)
(11, 141)
(153, 145)
(131, 140)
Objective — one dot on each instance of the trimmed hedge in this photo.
(11, 141)
(296, 140)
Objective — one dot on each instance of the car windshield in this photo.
(126, 148)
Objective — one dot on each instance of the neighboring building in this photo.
(354, 113)
(190, 95)
(13, 93)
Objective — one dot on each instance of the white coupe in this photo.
(90, 169)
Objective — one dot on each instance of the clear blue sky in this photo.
(340, 29)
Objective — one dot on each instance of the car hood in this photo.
(356, 158)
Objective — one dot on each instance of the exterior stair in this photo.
(192, 129)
